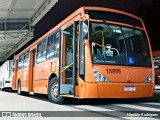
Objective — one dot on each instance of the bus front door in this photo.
(68, 66)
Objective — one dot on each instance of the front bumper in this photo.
(116, 90)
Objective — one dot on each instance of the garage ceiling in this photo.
(17, 19)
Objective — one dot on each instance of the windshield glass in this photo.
(118, 45)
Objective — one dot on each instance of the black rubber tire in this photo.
(59, 99)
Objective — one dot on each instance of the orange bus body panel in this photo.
(128, 74)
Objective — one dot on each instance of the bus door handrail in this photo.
(66, 67)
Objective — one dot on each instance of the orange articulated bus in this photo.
(94, 53)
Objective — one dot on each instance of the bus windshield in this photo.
(119, 45)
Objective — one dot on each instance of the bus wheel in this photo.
(19, 88)
(53, 92)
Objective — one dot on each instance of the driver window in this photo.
(104, 40)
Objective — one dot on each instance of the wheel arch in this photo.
(53, 75)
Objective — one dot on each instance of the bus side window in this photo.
(26, 60)
(41, 51)
(13, 65)
(20, 63)
(53, 45)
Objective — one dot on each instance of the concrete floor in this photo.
(10, 101)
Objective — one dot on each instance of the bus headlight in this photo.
(99, 77)
(149, 79)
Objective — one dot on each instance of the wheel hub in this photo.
(54, 91)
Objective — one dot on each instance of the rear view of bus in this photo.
(118, 62)
(6, 75)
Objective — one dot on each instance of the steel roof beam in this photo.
(43, 9)
(13, 25)
(7, 42)
(5, 24)
(8, 13)
(13, 20)
(26, 10)
(10, 9)
(17, 46)
(14, 31)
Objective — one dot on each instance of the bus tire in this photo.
(19, 88)
(53, 92)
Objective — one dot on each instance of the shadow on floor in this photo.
(74, 101)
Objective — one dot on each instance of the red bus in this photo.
(94, 53)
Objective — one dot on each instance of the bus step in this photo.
(71, 96)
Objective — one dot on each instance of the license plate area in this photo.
(129, 88)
